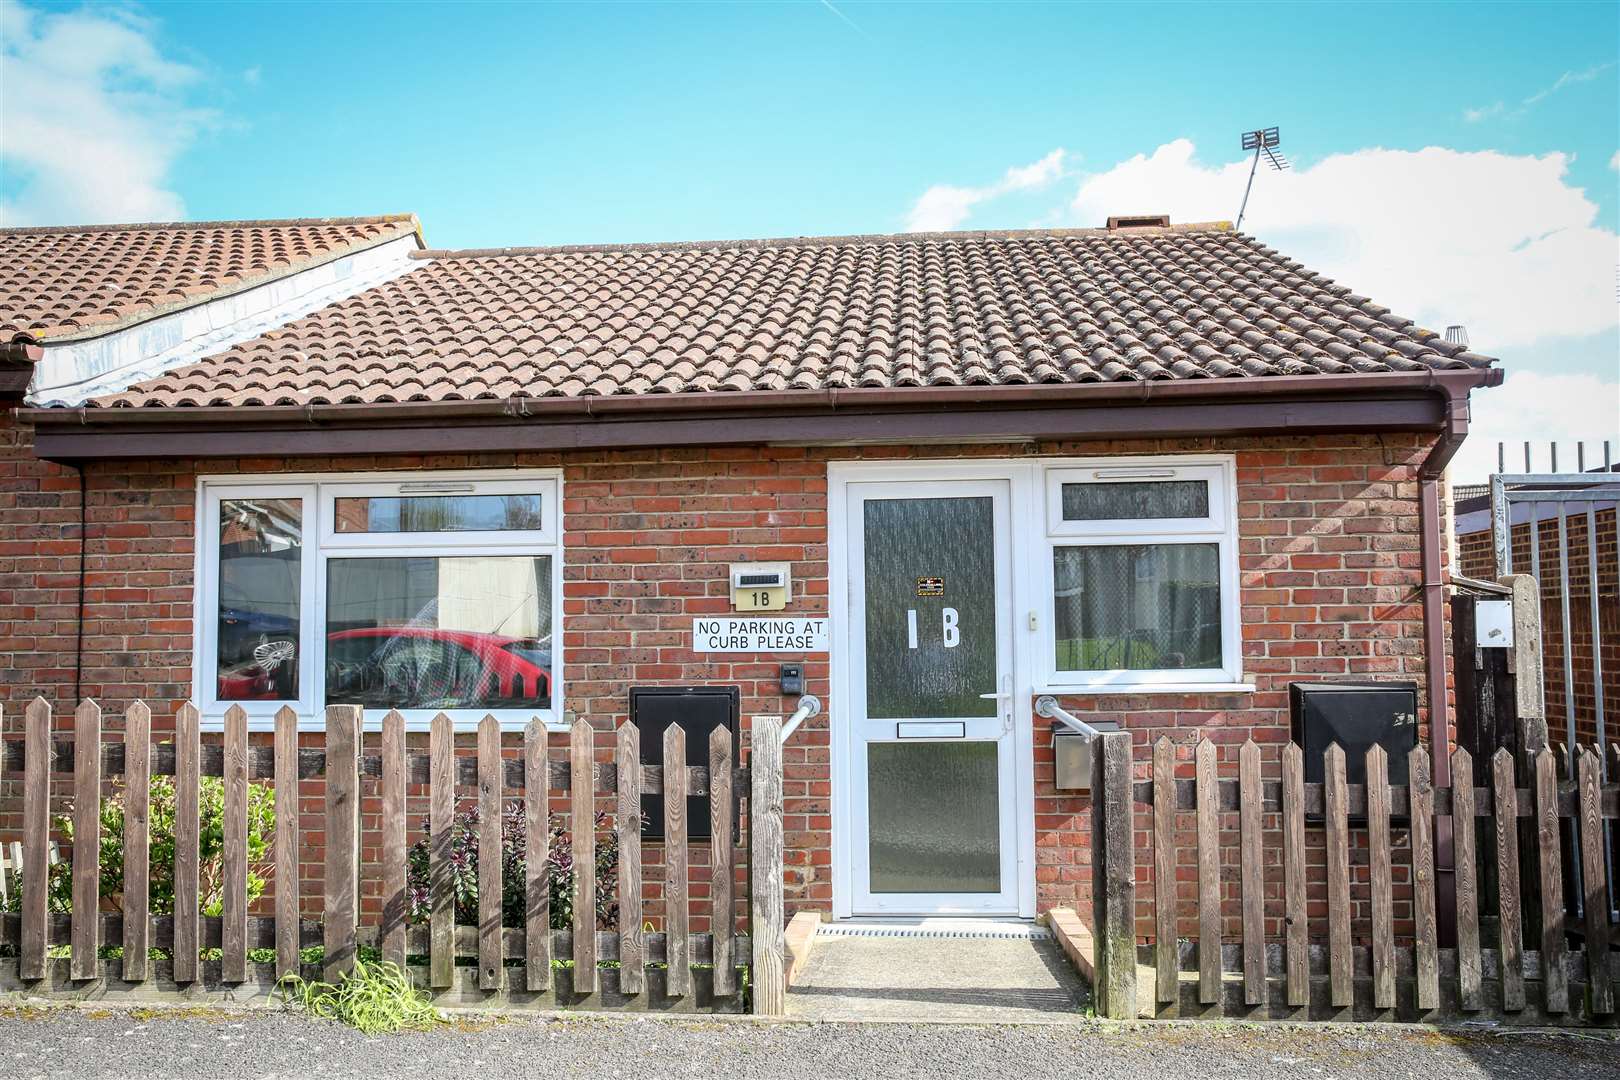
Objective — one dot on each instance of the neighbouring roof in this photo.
(61, 283)
(972, 308)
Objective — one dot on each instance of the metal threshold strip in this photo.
(933, 927)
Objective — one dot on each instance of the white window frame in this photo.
(1220, 528)
(322, 542)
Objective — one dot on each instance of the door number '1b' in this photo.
(950, 631)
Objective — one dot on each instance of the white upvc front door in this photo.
(929, 745)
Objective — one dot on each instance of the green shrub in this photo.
(261, 815)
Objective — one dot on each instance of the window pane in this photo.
(1147, 499)
(261, 551)
(1137, 607)
(462, 632)
(437, 513)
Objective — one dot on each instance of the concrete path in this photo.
(938, 979)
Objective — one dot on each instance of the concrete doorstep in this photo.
(959, 978)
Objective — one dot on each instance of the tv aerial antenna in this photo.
(1261, 141)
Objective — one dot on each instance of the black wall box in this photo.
(698, 710)
(1357, 716)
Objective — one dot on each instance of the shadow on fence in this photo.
(199, 956)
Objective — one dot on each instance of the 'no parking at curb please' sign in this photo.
(734, 635)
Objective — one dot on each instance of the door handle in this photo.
(998, 695)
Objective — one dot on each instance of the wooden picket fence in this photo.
(626, 968)
(1567, 975)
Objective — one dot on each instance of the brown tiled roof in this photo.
(77, 281)
(1070, 306)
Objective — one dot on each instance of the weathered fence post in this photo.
(137, 839)
(1113, 875)
(342, 914)
(86, 840)
(765, 836)
(36, 838)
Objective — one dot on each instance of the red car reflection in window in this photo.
(418, 667)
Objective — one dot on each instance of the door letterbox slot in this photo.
(916, 729)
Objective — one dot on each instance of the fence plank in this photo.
(233, 850)
(1297, 963)
(1470, 987)
(1209, 876)
(137, 840)
(676, 909)
(1336, 804)
(395, 898)
(582, 827)
(86, 841)
(627, 822)
(490, 891)
(287, 846)
(1420, 809)
(1510, 943)
(1554, 976)
(341, 916)
(722, 865)
(1380, 878)
(536, 853)
(1253, 870)
(765, 890)
(441, 884)
(36, 837)
(1165, 908)
(1596, 902)
(187, 869)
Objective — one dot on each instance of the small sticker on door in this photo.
(930, 586)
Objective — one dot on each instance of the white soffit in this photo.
(72, 372)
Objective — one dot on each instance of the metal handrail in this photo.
(809, 705)
(1046, 705)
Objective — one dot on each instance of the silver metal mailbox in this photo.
(1071, 752)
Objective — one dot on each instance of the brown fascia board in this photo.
(1273, 405)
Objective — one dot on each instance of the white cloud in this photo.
(1568, 78)
(1534, 407)
(1500, 243)
(945, 206)
(94, 117)
(1614, 162)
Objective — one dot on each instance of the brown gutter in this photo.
(966, 415)
(728, 402)
(17, 359)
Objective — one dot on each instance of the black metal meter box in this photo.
(699, 710)
(1357, 716)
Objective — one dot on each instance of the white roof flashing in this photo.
(72, 372)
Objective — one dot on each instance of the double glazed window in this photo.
(436, 594)
(1143, 566)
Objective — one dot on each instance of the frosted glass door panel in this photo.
(934, 809)
(930, 607)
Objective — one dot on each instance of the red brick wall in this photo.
(1328, 535)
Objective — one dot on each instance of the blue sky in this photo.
(525, 123)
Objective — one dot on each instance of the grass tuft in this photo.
(375, 998)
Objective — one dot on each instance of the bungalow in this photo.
(1159, 471)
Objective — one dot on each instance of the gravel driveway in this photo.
(92, 1044)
